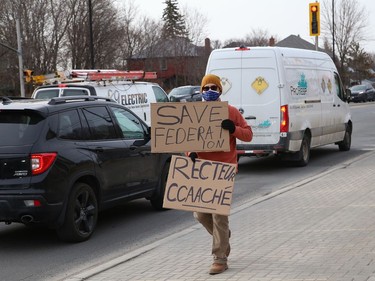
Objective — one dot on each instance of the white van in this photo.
(135, 95)
(293, 99)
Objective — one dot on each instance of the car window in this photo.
(358, 88)
(160, 95)
(100, 123)
(47, 93)
(129, 124)
(69, 125)
(19, 127)
(75, 92)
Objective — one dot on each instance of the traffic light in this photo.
(314, 24)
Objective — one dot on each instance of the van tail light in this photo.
(284, 119)
(41, 162)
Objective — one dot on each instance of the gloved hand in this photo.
(193, 156)
(228, 124)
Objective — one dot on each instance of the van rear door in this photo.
(261, 95)
(251, 81)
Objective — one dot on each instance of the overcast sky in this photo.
(235, 18)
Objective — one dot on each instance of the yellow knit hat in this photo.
(211, 79)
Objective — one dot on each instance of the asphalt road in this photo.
(37, 254)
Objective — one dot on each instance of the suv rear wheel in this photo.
(81, 214)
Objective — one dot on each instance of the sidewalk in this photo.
(320, 229)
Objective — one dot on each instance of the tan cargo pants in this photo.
(218, 227)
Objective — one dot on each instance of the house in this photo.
(295, 41)
(177, 61)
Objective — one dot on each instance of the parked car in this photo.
(362, 93)
(185, 93)
(65, 159)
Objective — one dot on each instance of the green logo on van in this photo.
(301, 88)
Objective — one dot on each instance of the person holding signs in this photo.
(218, 225)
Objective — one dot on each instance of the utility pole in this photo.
(19, 53)
(91, 36)
(20, 60)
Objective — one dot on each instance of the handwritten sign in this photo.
(189, 126)
(204, 186)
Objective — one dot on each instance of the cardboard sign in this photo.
(204, 186)
(189, 126)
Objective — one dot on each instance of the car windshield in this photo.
(180, 92)
(358, 88)
(184, 91)
(21, 127)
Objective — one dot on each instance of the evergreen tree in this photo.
(359, 61)
(174, 22)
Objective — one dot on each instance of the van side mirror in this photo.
(348, 95)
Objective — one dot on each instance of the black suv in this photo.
(63, 160)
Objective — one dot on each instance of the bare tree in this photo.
(106, 32)
(77, 41)
(43, 26)
(256, 37)
(216, 44)
(8, 58)
(138, 33)
(196, 24)
(55, 35)
(350, 24)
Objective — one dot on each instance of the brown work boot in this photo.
(217, 268)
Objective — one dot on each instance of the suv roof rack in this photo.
(60, 100)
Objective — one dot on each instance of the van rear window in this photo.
(20, 127)
(75, 92)
(47, 94)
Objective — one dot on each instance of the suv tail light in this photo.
(284, 119)
(40, 162)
